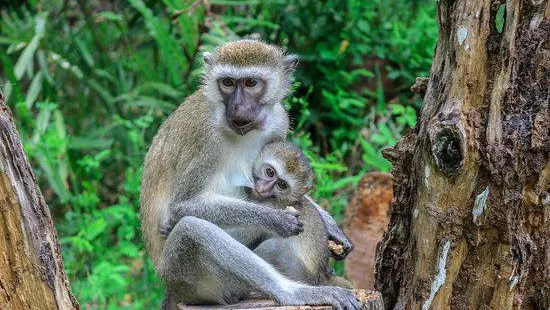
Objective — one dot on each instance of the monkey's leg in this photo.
(284, 255)
(333, 230)
(304, 257)
(202, 264)
(339, 281)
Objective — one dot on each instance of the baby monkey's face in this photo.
(272, 183)
(281, 174)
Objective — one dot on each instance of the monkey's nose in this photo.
(262, 191)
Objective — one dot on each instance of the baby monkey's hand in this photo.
(290, 225)
(335, 249)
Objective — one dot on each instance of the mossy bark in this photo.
(32, 274)
(470, 221)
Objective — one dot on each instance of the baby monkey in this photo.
(282, 176)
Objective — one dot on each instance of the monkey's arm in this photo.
(228, 213)
(333, 230)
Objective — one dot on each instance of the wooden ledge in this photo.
(371, 301)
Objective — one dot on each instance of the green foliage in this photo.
(90, 82)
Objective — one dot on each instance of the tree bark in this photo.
(470, 221)
(32, 274)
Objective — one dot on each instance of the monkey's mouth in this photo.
(259, 196)
(242, 126)
(241, 123)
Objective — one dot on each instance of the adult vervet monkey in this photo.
(197, 163)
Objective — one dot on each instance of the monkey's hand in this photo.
(335, 234)
(340, 245)
(335, 249)
(288, 223)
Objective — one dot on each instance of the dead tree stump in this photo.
(32, 274)
(470, 223)
(367, 217)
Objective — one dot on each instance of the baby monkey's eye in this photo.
(228, 82)
(269, 172)
(250, 82)
(281, 185)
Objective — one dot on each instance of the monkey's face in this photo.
(242, 99)
(271, 183)
(243, 81)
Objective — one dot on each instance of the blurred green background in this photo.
(89, 83)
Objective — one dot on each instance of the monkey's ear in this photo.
(208, 58)
(290, 61)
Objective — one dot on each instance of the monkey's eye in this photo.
(269, 172)
(281, 185)
(250, 82)
(228, 82)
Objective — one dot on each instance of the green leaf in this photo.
(82, 245)
(168, 45)
(43, 63)
(161, 88)
(56, 180)
(94, 229)
(102, 91)
(6, 41)
(15, 47)
(128, 249)
(235, 2)
(12, 86)
(34, 90)
(86, 143)
(42, 120)
(110, 16)
(26, 56)
(59, 124)
(329, 166)
(85, 52)
(251, 22)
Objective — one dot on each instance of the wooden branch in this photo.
(371, 301)
(32, 274)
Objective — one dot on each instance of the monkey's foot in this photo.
(371, 301)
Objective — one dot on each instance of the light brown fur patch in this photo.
(249, 53)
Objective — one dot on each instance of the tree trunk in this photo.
(32, 275)
(470, 223)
